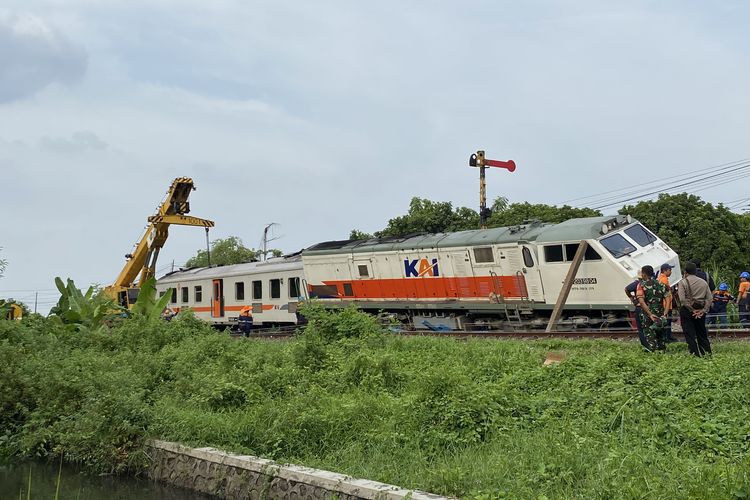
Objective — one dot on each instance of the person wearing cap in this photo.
(651, 296)
(167, 314)
(245, 321)
(695, 299)
(743, 297)
(664, 274)
(721, 298)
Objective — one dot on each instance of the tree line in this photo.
(694, 228)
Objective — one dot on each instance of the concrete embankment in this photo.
(230, 476)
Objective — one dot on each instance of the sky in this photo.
(331, 115)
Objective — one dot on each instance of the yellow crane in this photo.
(141, 264)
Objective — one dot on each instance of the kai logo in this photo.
(421, 267)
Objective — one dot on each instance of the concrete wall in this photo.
(225, 475)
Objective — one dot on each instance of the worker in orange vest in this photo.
(245, 320)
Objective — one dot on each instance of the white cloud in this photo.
(326, 116)
(33, 55)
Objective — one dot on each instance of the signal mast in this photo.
(478, 160)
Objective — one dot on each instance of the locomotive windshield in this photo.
(618, 246)
(640, 235)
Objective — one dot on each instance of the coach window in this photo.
(483, 255)
(239, 290)
(275, 289)
(173, 299)
(348, 291)
(257, 290)
(528, 261)
(198, 294)
(293, 288)
(185, 294)
(363, 272)
(553, 253)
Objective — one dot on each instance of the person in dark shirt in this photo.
(703, 275)
(630, 291)
(722, 297)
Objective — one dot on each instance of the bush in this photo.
(480, 418)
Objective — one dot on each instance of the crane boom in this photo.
(141, 264)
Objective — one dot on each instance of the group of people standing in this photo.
(693, 300)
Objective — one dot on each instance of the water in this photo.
(75, 485)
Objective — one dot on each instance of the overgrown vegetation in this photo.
(478, 418)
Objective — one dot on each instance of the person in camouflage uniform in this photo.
(651, 296)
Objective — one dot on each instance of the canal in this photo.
(75, 485)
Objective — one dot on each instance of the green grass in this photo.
(481, 418)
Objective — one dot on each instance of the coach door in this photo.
(217, 300)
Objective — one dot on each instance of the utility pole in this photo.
(266, 239)
(208, 249)
(478, 160)
(36, 298)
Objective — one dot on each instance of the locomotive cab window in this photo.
(185, 292)
(483, 255)
(257, 290)
(294, 288)
(363, 271)
(239, 290)
(617, 245)
(640, 235)
(275, 289)
(553, 253)
(572, 248)
(528, 260)
(198, 294)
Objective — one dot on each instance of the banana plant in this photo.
(148, 304)
(80, 311)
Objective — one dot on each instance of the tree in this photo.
(226, 251)
(695, 229)
(356, 234)
(504, 214)
(427, 216)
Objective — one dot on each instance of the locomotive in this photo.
(499, 278)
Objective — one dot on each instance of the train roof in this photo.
(570, 230)
(271, 265)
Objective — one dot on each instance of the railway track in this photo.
(578, 334)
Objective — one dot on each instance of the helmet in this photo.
(723, 287)
(745, 274)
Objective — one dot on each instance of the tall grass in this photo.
(480, 419)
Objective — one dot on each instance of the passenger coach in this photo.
(271, 289)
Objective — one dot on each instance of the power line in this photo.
(699, 183)
(684, 176)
